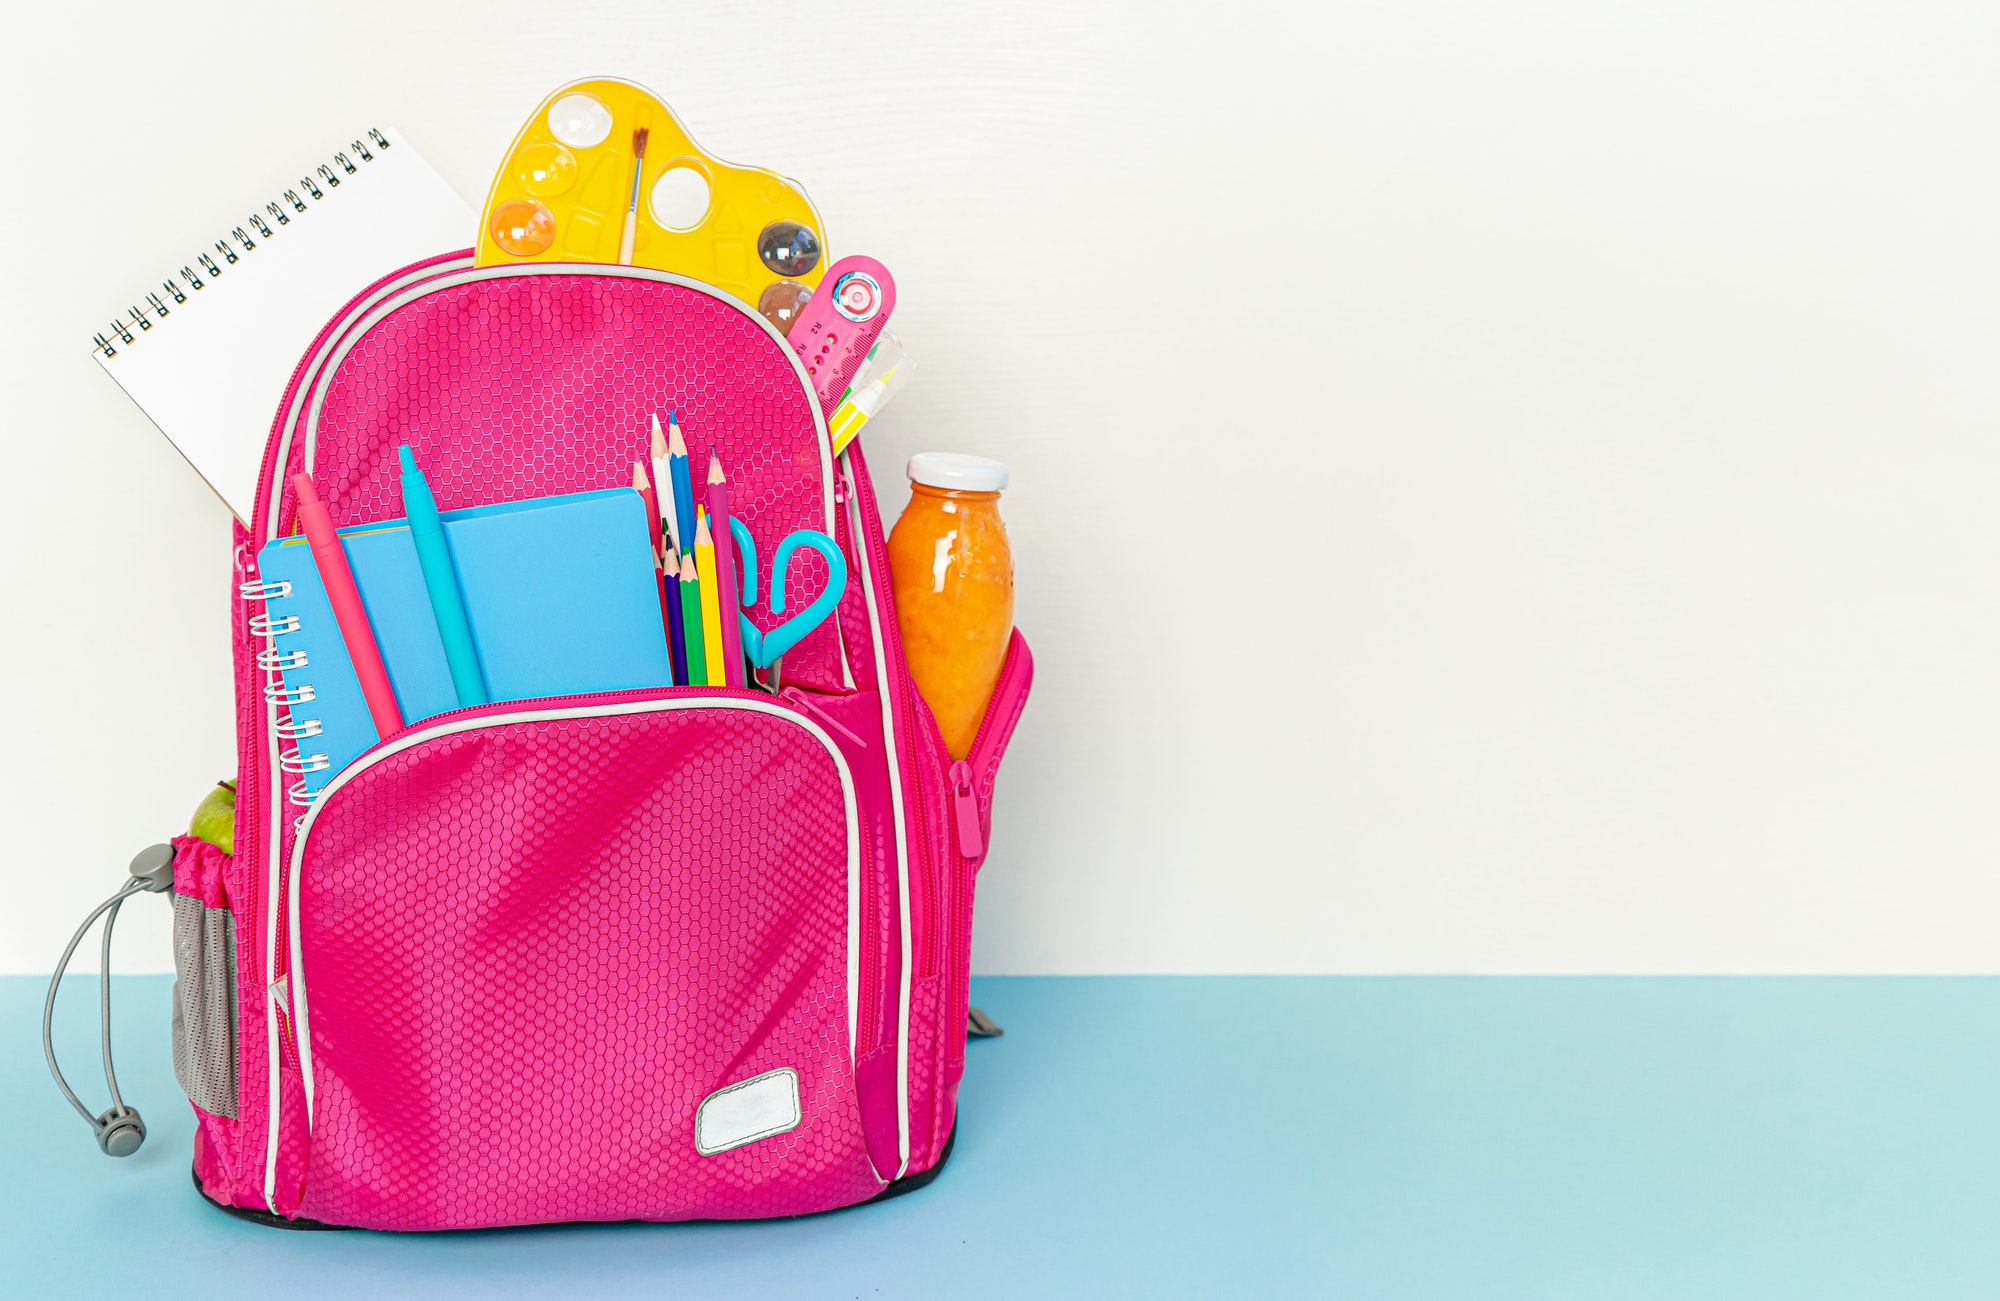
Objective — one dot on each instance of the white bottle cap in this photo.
(955, 470)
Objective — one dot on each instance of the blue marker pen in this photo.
(441, 581)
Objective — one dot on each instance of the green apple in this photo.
(215, 818)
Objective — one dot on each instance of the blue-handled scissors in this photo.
(764, 648)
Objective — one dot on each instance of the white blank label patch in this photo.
(759, 1107)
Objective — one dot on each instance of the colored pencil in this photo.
(691, 633)
(644, 487)
(725, 570)
(663, 488)
(670, 592)
(683, 484)
(711, 604)
(362, 651)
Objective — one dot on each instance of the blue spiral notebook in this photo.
(560, 592)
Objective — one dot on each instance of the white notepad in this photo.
(209, 351)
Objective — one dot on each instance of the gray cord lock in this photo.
(119, 1131)
(155, 866)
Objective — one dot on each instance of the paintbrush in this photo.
(632, 205)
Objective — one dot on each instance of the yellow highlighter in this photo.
(711, 599)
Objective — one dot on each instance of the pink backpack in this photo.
(682, 953)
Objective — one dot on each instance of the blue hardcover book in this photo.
(560, 592)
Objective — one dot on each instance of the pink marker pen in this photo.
(348, 612)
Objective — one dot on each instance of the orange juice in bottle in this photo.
(954, 580)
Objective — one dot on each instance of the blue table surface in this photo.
(1212, 1137)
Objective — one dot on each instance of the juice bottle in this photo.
(954, 580)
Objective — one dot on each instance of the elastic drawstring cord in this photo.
(152, 873)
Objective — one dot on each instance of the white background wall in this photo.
(1496, 487)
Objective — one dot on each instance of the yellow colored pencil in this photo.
(711, 600)
(692, 641)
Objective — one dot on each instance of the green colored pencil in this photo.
(691, 629)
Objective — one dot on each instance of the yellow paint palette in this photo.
(567, 187)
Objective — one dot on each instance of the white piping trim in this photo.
(840, 639)
(275, 813)
(274, 816)
(902, 838)
(301, 1013)
(315, 371)
(476, 274)
(326, 362)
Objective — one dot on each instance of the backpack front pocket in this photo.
(586, 960)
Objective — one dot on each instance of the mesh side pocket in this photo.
(205, 1005)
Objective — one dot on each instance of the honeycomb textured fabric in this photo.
(525, 386)
(519, 945)
(530, 950)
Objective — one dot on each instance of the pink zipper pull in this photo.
(971, 840)
(798, 698)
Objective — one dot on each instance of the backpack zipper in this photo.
(965, 808)
(964, 794)
(280, 1049)
(322, 360)
(871, 990)
(906, 721)
(899, 734)
(866, 1039)
(859, 959)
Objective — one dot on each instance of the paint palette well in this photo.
(563, 192)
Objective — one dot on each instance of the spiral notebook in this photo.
(560, 593)
(208, 352)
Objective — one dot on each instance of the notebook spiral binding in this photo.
(211, 263)
(287, 724)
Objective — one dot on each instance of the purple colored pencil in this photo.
(731, 595)
(670, 582)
